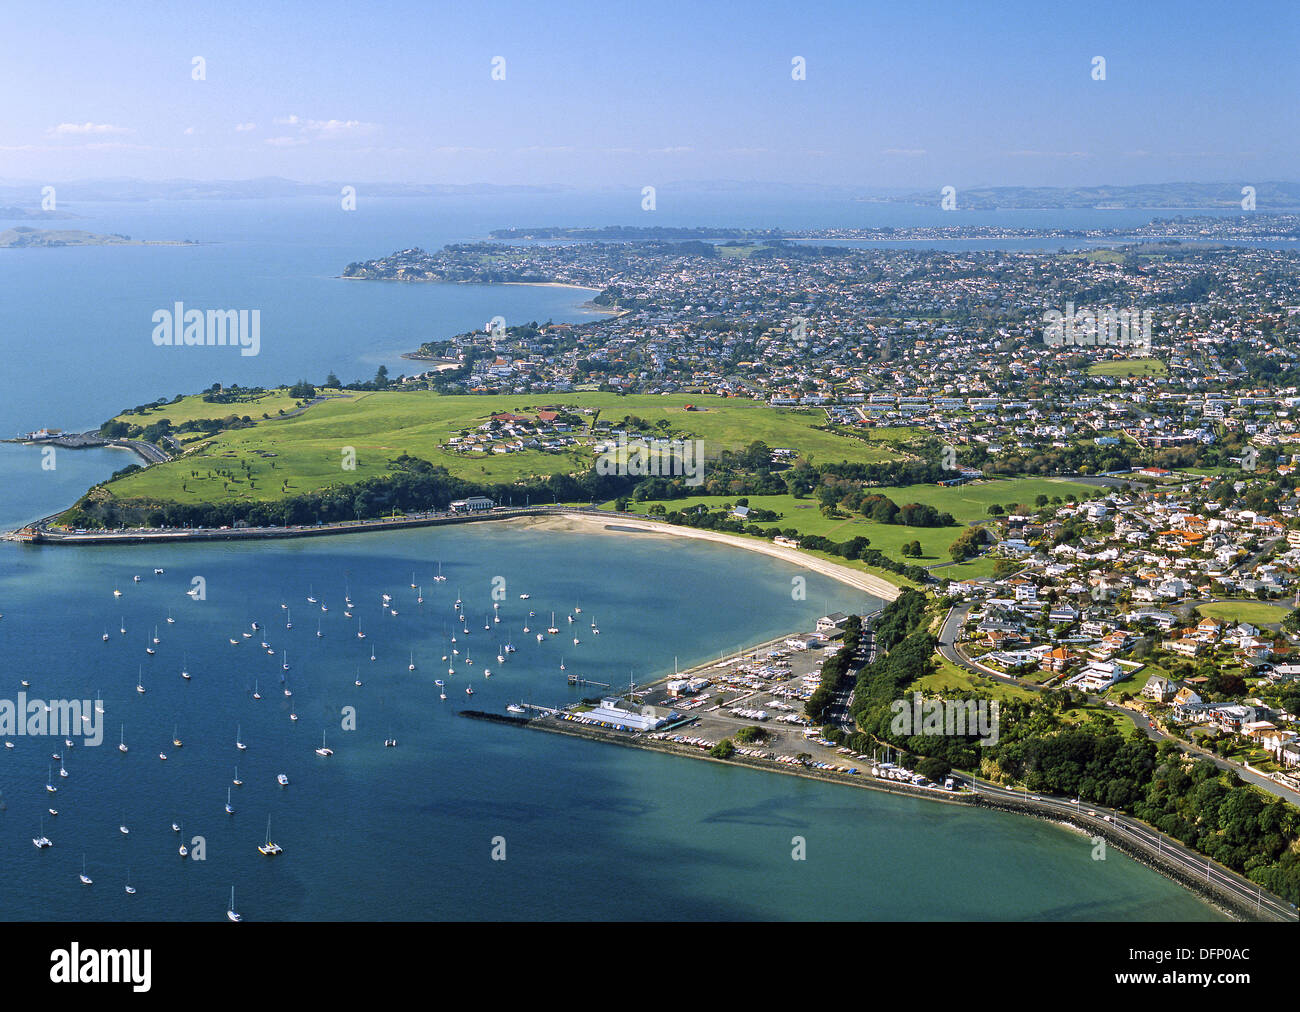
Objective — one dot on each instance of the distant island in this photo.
(1151, 196)
(23, 237)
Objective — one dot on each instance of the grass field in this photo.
(188, 409)
(1254, 612)
(967, 503)
(1129, 367)
(947, 677)
(292, 456)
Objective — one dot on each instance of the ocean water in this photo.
(407, 833)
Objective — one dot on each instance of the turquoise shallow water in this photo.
(406, 833)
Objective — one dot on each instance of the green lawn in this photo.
(307, 450)
(1129, 367)
(965, 502)
(1254, 612)
(947, 677)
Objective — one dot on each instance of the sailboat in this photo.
(319, 634)
(230, 809)
(130, 889)
(285, 657)
(487, 626)
(411, 666)
(105, 634)
(469, 690)
(439, 578)
(139, 681)
(85, 879)
(238, 743)
(372, 651)
(311, 595)
(293, 713)
(155, 635)
(419, 595)
(231, 912)
(256, 692)
(575, 641)
(360, 634)
(175, 738)
(99, 703)
(561, 663)
(42, 841)
(62, 771)
(323, 751)
(413, 581)
(49, 779)
(122, 827)
(501, 657)
(116, 592)
(122, 627)
(237, 782)
(183, 850)
(288, 622)
(185, 669)
(269, 849)
(552, 628)
(594, 630)
(148, 648)
(122, 740)
(358, 681)
(170, 620)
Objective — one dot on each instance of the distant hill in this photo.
(1269, 196)
(22, 237)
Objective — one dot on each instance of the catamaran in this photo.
(552, 628)
(42, 841)
(323, 751)
(439, 578)
(269, 849)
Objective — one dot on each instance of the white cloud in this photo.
(245, 127)
(64, 129)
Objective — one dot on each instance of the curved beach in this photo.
(620, 523)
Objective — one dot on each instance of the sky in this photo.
(894, 95)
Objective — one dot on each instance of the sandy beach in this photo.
(865, 582)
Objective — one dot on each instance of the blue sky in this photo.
(896, 94)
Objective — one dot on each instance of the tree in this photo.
(995, 510)
(723, 749)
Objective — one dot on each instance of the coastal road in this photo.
(1191, 863)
